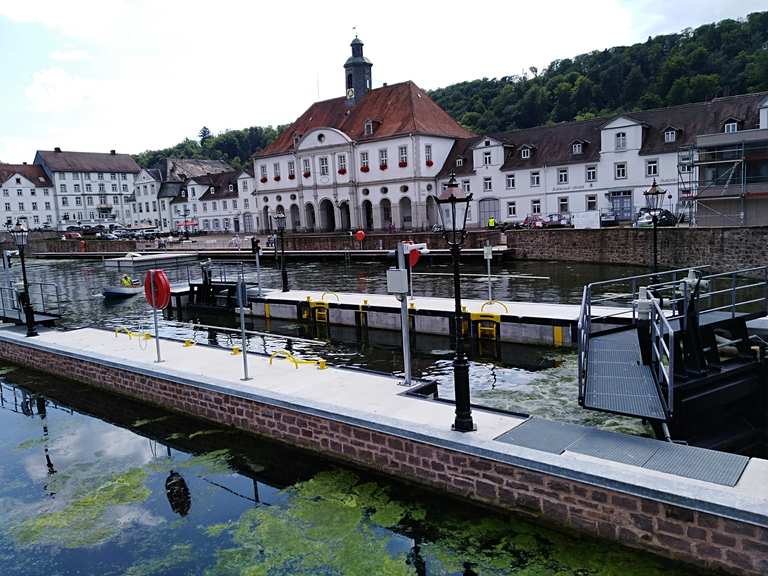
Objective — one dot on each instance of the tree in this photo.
(204, 134)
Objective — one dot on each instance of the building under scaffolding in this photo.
(723, 178)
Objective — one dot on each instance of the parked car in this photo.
(608, 218)
(533, 221)
(557, 220)
(645, 218)
(72, 235)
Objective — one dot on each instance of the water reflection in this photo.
(127, 475)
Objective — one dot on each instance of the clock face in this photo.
(350, 93)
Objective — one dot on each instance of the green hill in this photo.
(729, 57)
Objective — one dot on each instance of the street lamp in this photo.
(453, 205)
(280, 219)
(20, 236)
(653, 199)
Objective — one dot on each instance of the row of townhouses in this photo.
(375, 158)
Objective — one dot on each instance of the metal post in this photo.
(154, 314)
(463, 421)
(655, 251)
(242, 297)
(488, 265)
(258, 270)
(26, 305)
(404, 319)
(733, 295)
(283, 269)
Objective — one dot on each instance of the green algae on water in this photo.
(85, 521)
(178, 554)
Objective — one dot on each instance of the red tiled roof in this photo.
(397, 109)
(31, 172)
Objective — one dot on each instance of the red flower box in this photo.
(429, 163)
(291, 176)
(342, 171)
(365, 169)
(263, 179)
(307, 174)
(277, 178)
(403, 164)
(382, 166)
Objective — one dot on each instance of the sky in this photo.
(132, 75)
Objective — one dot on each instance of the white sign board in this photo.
(488, 252)
(590, 219)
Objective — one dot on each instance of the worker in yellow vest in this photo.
(491, 223)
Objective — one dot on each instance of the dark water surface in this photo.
(528, 379)
(91, 484)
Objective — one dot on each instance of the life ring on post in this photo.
(162, 296)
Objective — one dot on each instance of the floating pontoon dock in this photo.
(134, 261)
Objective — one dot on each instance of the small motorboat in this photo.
(122, 291)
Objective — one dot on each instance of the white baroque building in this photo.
(90, 188)
(602, 164)
(27, 193)
(366, 160)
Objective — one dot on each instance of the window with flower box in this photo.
(428, 154)
(364, 167)
(341, 160)
(383, 158)
(291, 169)
(402, 155)
(276, 171)
(306, 166)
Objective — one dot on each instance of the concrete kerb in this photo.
(692, 495)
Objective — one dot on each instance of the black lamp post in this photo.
(453, 205)
(280, 218)
(653, 199)
(20, 236)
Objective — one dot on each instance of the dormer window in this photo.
(487, 143)
(368, 128)
(576, 148)
(670, 135)
(525, 153)
(231, 187)
(621, 140)
(459, 162)
(296, 139)
(731, 126)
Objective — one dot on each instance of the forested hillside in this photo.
(233, 146)
(730, 57)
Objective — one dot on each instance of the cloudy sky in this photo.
(140, 74)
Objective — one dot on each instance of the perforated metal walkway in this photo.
(617, 381)
(686, 461)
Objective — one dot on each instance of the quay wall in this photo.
(676, 530)
(386, 241)
(91, 245)
(723, 248)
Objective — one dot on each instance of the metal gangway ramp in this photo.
(612, 376)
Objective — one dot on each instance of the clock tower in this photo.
(357, 70)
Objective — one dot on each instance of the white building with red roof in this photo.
(366, 160)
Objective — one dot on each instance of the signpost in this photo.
(397, 284)
(488, 255)
(242, 301)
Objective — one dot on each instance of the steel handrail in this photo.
(651, 275)
(660, 327)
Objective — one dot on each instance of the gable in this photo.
(621, 122)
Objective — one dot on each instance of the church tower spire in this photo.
(357, 71)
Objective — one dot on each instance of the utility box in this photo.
(397, 281)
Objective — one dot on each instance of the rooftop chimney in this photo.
(112, 152)
(57, 149)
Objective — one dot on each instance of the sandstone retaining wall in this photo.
(723, 248)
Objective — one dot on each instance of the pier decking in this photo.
(634, 489)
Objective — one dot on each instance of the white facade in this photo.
(615, 180)
(330, 182)
(248, 213)
(23, 198)
(93, 197)
(145, 207)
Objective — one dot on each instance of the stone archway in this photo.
(309, 217)
(267, 220)
(295, 217)
(433, 216)
(385, 209)
(367, 215)
(406, 219)
(327, 216)
(346, 221)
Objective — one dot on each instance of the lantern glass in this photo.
(20, 234)
(280, 219)
(653, 197)
(453, 206)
